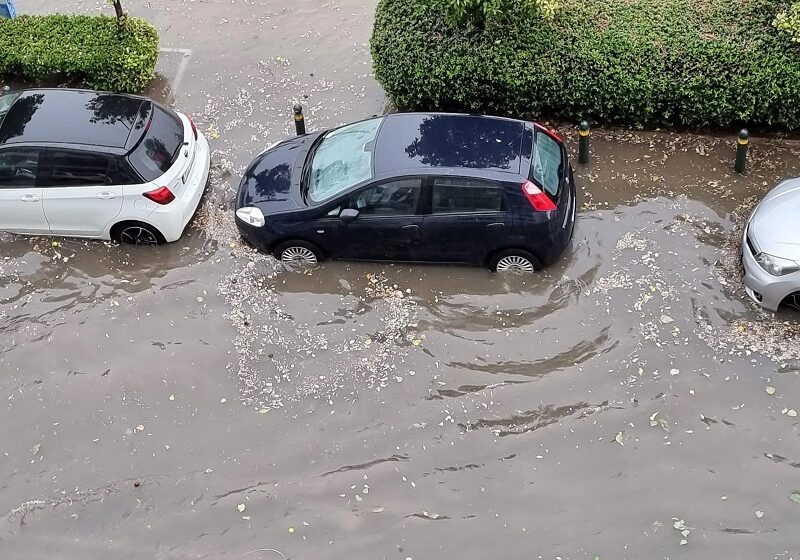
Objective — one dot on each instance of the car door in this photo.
(388, 225)
(21, 208)
(81, 194)
(468, 219)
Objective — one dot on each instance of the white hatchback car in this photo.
(99, 165)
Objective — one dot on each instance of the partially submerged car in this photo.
(419, 187)
(100, 165)
(771, 248)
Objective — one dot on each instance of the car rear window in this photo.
(546, 164)
(158, 150)
(6, 101)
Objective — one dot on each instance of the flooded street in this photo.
(199, 400)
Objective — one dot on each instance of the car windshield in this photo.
(342, 159)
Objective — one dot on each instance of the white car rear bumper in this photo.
(171, 219)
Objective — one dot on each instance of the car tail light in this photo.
(160, 196)
(539, 200)
(194, 127)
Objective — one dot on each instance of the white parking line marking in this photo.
(187, 53)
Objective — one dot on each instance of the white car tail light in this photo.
(161, 195)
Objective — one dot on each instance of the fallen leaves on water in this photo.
(620, 438)
(656, 421)
(378, 509)
(795, 497)
(428, 515)
(241, 507)
(680, 526)
(770, 390)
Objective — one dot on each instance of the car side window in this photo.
(394, 198)
(18, 167)
(80, 169)
(457, 195)
(546, 163)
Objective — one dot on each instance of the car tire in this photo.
(792, 301)
(136, 233)
(514, 260)
(298, 253)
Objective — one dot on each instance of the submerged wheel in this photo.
(298, 253)
(514, 261)
(792, 301)
(136, 234)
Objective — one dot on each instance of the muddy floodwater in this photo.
(200, 401)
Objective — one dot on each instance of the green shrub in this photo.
(675, 62)
(87, 48)
(481, 11)
(788, 21)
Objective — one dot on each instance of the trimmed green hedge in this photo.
(667, 62)
(88, 48)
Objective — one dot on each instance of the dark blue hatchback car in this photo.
(414, 187)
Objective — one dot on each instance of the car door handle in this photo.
(106, 195)
(496, 225)
(29, 198)
(410, 227)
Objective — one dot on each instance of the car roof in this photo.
(420, 142)
(70, 116)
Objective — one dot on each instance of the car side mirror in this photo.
(348, 215)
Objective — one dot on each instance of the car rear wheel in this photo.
(514, 261)
(298, 253)
(136, 233)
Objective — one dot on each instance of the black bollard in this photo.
(299, 120)
(583, 143)
(741, 151)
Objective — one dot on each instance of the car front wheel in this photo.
(298, 253)
(514, 261)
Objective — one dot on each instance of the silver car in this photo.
(771, 248)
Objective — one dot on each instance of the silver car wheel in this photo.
(137, 235)
(793, 301)
(298, 256)
(514, 263)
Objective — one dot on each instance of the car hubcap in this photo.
(136, 235)
(299, 256)
(514, 263)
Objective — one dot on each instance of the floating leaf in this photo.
(241, 507)
(795, 497)
(620, 438)
(378, 509)
(770, 390)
